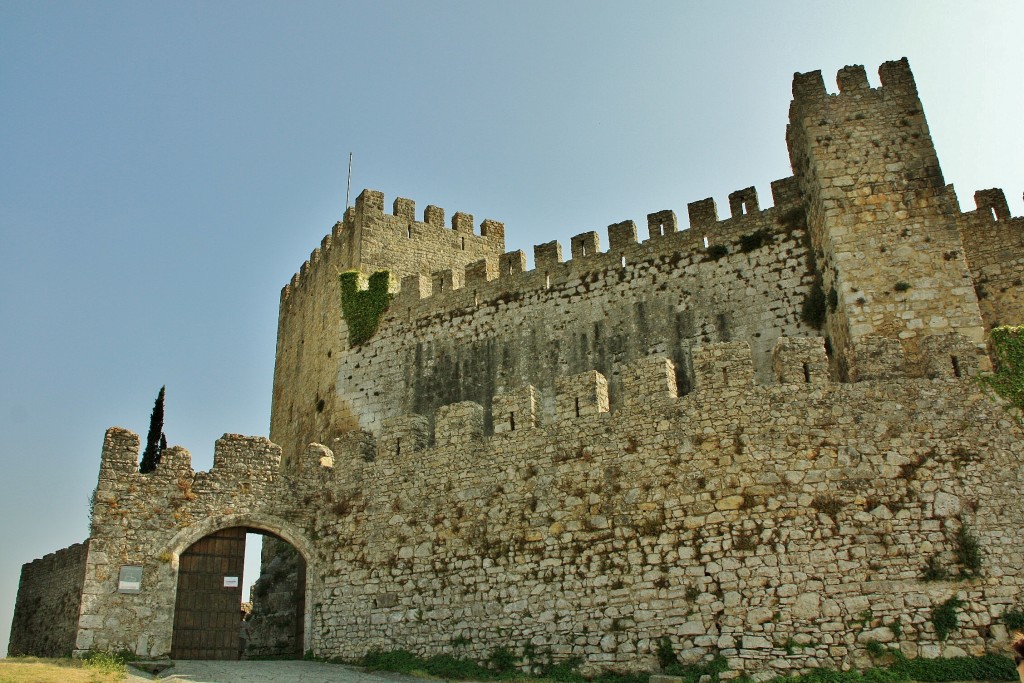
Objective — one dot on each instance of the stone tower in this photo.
(883, 224)
(312, 333)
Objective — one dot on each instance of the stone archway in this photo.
(209, 527)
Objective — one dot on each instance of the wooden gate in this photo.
(207, 611)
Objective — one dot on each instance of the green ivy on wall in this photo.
(362, 309)
(1008, 355)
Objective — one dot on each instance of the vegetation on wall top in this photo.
(362, 309)
(1007, 344)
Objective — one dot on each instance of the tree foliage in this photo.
(156, 441)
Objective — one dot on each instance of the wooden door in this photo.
(207, 613)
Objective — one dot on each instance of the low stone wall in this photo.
(46, 610)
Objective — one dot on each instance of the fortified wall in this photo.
(49, 599)
(864, 242)
(783, 525)
(761, 436)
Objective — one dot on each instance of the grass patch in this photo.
(502, 665)
(96, 669)
(985, 668)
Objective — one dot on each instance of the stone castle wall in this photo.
(994, 245)
(883, 223)
(466, 335)
(46, 609)
(312, 334)
(784, 525)
(644, 441)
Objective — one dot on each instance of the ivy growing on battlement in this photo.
(362, 309)
(1007, 345)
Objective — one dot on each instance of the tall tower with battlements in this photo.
(312, 332)
(882, 221)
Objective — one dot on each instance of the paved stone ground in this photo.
(195, 671)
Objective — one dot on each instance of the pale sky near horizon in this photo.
(166, 167)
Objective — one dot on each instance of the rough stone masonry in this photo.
(754, 436)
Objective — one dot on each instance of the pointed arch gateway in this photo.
(204, 558)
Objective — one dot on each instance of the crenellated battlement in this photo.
(707, 237)
(369, 238)
(723, 371)
(234, 456)
(852, 81)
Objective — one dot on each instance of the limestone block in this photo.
(404, 208)
(719, 366)
(621, 235)
(458, 423)
(800, 360)
(743, 202)
(515, 410)
(948, 355)
(480, 272)
(547, 255)
(511, 263)
(661, 223)
(878, 358)
(404, 434)
(581, 395)
(585, 244)
(648, 381)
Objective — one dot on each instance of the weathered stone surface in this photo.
(646, 443)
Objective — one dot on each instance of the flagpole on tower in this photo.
(348, 190)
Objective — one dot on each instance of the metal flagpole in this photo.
(348, 190)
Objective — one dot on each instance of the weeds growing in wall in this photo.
(363, 309)
(944, 617)
(1007, 345)
(968, 552)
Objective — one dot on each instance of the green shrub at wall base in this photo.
(1007, 345)
(362, 309)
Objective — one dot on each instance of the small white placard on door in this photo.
(231, 582)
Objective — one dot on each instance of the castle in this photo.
(761, 437)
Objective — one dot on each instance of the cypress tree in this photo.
(155, 440)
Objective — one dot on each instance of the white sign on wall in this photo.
(129, 580)
(231, 582)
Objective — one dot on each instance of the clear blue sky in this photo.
(166, 167)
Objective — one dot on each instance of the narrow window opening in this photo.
(577, 407)
(743, 208)
(398, 447)
(463, 243)
(408, 232)
(725, 375)
(476, 298)
(992, 211)
(583, 250)
(509, 267)
(956, 366)
(807, 374)
(547, 281)
(440, 286)
(707, 242)
(512, 421)
(623, 260)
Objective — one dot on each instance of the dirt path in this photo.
(194, 671)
